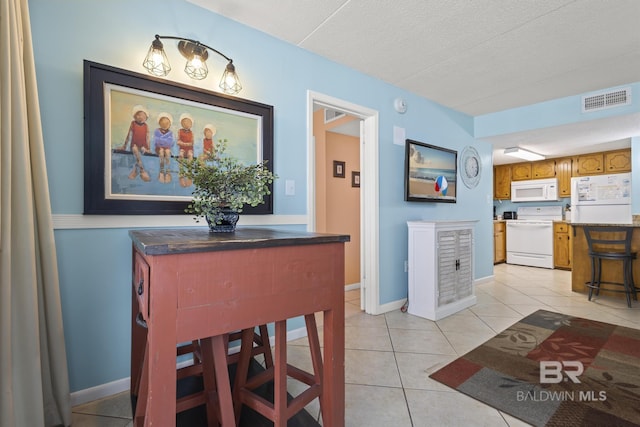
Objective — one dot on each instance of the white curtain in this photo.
(34, 382)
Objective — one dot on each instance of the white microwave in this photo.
(535, 190)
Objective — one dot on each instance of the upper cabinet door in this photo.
(520, 171)
(543, 169)
(563, 172)
(589, 164)
(502, 182)
(617, 161)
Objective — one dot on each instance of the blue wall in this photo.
(557, 112)
(94, 264)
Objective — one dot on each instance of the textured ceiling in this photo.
(477, 57)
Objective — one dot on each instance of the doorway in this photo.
(368, 168)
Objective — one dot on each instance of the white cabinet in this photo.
(440, 268)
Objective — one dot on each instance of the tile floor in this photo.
(389, 357)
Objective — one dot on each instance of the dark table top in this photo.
(164, 241)
(586, 224)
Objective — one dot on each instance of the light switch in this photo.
(289, 187)
(399, 135)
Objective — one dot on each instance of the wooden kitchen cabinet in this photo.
(520, 171)
(543, 169)
(499, 242)
(502, 182)
(588, 164)
(562, 245)
(563, 173)
(617, 161)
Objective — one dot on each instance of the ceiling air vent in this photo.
(331, 115)
(603, 100)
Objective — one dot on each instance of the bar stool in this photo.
(280, 410)
(611, 243)
(204, 365)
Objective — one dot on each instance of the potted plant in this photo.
(223, 186)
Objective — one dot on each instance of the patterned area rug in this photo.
(551, 369)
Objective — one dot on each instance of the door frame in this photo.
(369, 190)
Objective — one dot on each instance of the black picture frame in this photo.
(100, 83)
(355, 179)
(430, 173)
(338, 169)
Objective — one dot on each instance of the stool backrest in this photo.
(609, 239)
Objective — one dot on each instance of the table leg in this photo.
(280, 375)
(333, 396)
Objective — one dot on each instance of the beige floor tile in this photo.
(415, 341)
(362, 319)
(483, 297)
(415, 369)
(118, 405)
(539, 291)
(399, 320)
(526, 310)
(375, 407)
(499, 324)
(457, 322)
(465, 341)
(357, 338)
(497, 309)
(351, 309)
(84, 420)
(353, 295)
(562, 301)
(515, 298)
(367, 367)
(443, 409)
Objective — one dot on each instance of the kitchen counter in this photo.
(611, 270)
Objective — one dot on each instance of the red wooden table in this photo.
(189, 284)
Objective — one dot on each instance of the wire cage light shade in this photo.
(156, 61)
(196, 68)
(196, 53)
(230, 82)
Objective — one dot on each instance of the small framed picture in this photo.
(355, 179)
(338, 169)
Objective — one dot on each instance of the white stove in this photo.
(530, 237)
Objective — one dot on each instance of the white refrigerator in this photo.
(601, 199)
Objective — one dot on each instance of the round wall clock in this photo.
(470, 166)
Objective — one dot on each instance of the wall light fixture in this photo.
(523, 154)
(196, 53)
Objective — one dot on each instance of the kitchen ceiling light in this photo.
(523, 154)
(157, 63)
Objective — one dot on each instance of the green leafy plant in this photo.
(223, 182)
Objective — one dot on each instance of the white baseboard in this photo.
(103, 390)
(99, 391)
(390, 306)
(352, 287)
(484, 279)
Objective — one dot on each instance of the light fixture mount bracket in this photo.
(188, 49)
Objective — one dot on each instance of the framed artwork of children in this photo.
(137, 127)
